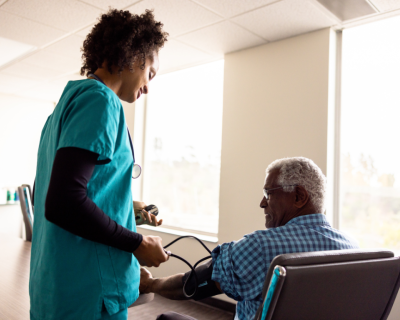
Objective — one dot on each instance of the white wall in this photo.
(275, 105)
(21, 123)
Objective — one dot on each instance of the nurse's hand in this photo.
(143, 217)
(151, 253)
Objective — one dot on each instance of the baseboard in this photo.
(219, 304)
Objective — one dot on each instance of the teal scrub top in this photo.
(71, 277)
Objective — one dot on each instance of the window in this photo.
(182, 147)
(370, 131)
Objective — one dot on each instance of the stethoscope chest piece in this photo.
(136, 171)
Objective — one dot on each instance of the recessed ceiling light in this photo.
(11, 50)
(350, 9)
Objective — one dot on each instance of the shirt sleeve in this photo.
(91, 122)
(69, 207)
(239, 268)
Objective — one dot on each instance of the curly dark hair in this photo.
(121, 38)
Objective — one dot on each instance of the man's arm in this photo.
(169, 287)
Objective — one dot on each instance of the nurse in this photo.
(85, 249)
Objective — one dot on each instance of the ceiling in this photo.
(200, 31)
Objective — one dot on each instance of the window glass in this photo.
(182, 153)
(370, 156)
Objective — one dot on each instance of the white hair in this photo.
(304, 172)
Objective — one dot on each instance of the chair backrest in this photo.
(25, 199)
(338, 284)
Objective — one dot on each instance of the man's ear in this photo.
(301, 197)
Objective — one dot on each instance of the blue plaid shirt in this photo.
(240, 267)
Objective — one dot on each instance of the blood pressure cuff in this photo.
(205, 286)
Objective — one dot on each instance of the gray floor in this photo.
(151, 310)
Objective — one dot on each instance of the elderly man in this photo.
(294, 204)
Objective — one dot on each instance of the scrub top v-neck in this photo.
(71, 277)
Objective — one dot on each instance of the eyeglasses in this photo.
(266, 194)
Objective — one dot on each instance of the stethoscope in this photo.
(137, 170)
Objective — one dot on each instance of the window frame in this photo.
(336, 197)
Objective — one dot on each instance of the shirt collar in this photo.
(310, 219)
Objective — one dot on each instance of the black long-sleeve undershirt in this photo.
(68, 206)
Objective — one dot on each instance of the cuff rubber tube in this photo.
(205, 286)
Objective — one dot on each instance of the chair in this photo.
(25, 200)
(339, 284)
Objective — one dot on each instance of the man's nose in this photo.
(264, 203)
(145, 89)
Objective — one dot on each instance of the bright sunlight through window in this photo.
(183, 147)
(370, 156)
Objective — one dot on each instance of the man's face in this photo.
(136, 83)
(280, 203)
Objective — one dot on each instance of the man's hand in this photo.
(144, 216)
(151, 253)
(146, 279)
(168, 287)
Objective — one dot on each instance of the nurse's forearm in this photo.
(68, 206)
